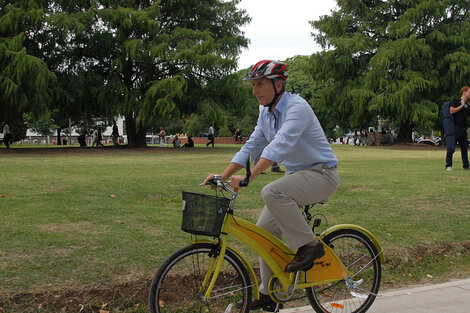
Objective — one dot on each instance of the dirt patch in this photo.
(85, 299)
(466, 246)
(422, 251)
(419, 252)
(77, 227)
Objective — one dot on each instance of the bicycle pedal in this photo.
(273, 307)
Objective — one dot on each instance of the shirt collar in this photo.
(282, 103)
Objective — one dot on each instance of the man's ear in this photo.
(278, 86)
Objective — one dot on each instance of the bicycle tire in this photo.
(175, 287)
(360, 256)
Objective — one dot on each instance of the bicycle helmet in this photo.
(271, 70)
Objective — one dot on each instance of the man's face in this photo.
(263, 90)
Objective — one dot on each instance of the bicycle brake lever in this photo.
(246, 180)
(214, 181)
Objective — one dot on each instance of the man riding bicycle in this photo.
(287, 132)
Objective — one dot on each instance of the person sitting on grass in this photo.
(189, 144)
(176, 142)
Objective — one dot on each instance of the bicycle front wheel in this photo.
(356, 293)
(178, 284)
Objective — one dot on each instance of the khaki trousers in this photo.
(281, 214)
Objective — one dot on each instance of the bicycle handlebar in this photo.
(217, 180)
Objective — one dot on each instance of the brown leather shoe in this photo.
(305, 258)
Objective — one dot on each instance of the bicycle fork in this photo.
(209, 272)
(213, 271)
(217, 258)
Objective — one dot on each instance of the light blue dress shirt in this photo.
(292, 136)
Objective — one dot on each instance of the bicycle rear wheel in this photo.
(356, 293)
(177, 284)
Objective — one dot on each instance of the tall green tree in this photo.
(150, 61)
(301, 82)
(156, 56)
(227, 102)
(68, 42)
(397, 60)
(25, 80)
(43, 65)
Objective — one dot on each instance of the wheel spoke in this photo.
(356, 293)
(177, 286)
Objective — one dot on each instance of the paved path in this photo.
(451, 297)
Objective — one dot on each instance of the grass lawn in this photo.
(76, 221)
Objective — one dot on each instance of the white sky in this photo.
(279, 29)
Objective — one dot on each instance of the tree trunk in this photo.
(404, 134)
(58, 141)
(135, 133)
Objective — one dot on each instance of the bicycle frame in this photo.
(276, 254)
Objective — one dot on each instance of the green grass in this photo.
(77, 218)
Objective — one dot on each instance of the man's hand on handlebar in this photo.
(235, 182)
(208, 179)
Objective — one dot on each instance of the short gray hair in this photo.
(283, 82)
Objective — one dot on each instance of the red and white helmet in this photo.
(269, 69)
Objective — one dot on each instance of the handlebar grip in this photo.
(212, 182)
(244, 182)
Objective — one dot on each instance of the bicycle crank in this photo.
(275, 291)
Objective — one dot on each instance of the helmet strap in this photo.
(276, 96)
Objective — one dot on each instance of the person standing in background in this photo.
(460, 110)
(6, 135)
(161, 137)
(211, 136)
(115, 134)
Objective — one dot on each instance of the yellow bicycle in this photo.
(209, 275)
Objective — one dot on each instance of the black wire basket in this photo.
(203, 214)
